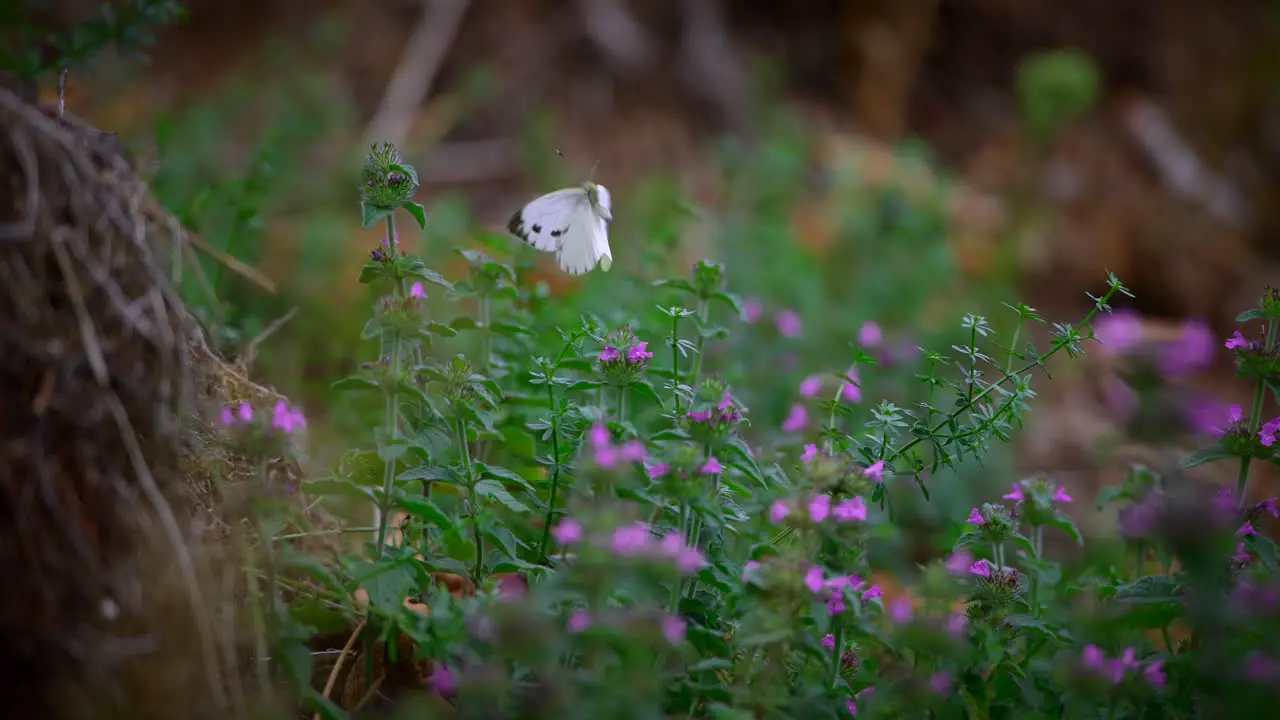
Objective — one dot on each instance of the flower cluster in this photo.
(608, 455)
(1095, 661)
(285, 418)
(713, 422)
(636, 540)
(833, 590)
(623, 358)
(820, 508)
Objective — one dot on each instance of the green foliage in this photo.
(689, 555)
(1056, 87)
(33, 49)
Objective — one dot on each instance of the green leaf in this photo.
(354, 382)
(503, 474)
(371, 214)
(424, 510)
(370, 272)
(387, 584)
(291, 559)
(420, 271)
(1110, 494)
(584, 385)
(510, 328)
(1251, 314)
(432, 473)
(418, 212)
(464, 323)
(711, 663)
(336, 487)
(1067, 525)
(733, 301)
(642, 387)
(1205, 455)
(677, 283)
(967, 539)
(494, 490)
(1153, 601)
(441, 329)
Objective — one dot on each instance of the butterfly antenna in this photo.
(591, 176)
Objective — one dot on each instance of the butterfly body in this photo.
(573, 223)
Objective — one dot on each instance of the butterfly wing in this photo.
(600, 242)
(545, 222)
(578, 253)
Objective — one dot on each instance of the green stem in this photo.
(460, 426)
(555, 473)
(486, 339)
(675, 361)
(391, 415)
(836, 653)
(1255, 419)
(622, 403)
(696, 372)
(969, 402)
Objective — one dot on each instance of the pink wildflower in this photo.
(811, 386)
(875, 471)
(829, 642)
(246, 412)
(674, 629)
(900, 611)
(820, 508)
(569, 531)
(778, 511)
(633, 451)
(788, 323)
(796, 420)
(751, 311)
(872, 593)
(975, 517)
(957, 623)
(579, 621)
(1247, 530)
(1015, 494)
(869, 335)
(810, 452)
(416, 290)
(631, 539)
(609, 354)
(1060, 495)
(639, 353)
(657, 470)
(854, 508)
(750, 567)
(813, 579)
(981, 569)
(1236, 341)
(711, 467)
(227, 418)
(959, 562)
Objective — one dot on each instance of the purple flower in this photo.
(981, 569)
(750, 567)
(443, 681)
(633, 451)
(869, 334)
(872, 593)
(797, 418)
(811, 386)
(599, 436)
(820, 508)
(850, 392)
(674, 629)
(852, 707)
(726, 401)
(959, 562)
(875, 471)
(751, 311)
(416, 290)
(835, 605)
(900, 611)
(1267, 433)
(1015, 494)
(227, 418)
(246, 412)
(1261, 668)
(1153, 672)
(609, 354)
(975, 517)
(829, 642)
(813, 579)
(392, 242)
(788, 323)
(810, 452)
(569, 531)
(1119, 332)
(711, 467)
(778, 511)
(957, 623)
(657, 470)
(940, 683)
(854, 508)
(1190, 352)
(1093, 658)
(1236, 341)
(1120, 397)
(1247, 530)
(1241, 554)
(579, 621)
(688, 559)
(287, 419)
(1060, 495)
(631, 539)
(639, 353)
(606, 456)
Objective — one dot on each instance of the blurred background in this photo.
(900, 162)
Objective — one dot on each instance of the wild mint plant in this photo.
(677, 568)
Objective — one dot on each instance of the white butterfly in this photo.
(573, 223)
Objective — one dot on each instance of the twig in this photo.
(617, 34)
(337, 665)
(251, 349)
(232, 263)
(423, 55)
